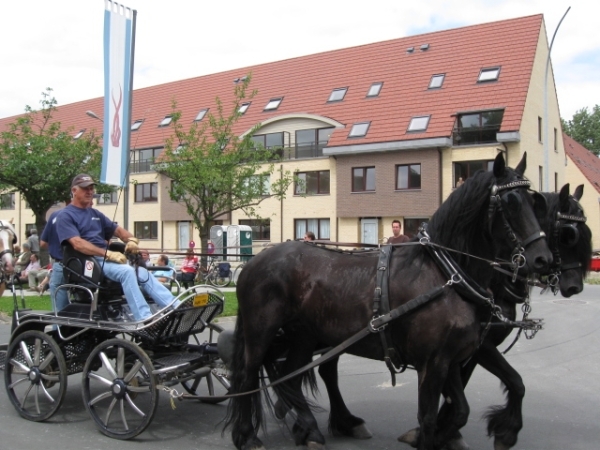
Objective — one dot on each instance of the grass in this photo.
(42, 303)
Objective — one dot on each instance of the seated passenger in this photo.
(88, 231)
(164, 276)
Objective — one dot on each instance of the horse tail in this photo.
(245, 409)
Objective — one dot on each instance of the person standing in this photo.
(397, 237)
(309, 236)
(87, 230)
(34, 241)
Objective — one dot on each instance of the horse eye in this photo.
(512, 201)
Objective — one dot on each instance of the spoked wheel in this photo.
(217, 280)
(119, 389)
(212, 380)
(35, 375)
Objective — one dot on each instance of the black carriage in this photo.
(124, 363)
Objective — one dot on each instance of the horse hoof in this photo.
(312, 445)
(457, 444)
(281, 410)
(411, 437)
(498, 445)
(361, 432)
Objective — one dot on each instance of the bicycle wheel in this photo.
(236, 273)
(216, 279)
(119, 389)
(35, 375)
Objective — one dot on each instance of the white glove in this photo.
(116, 257)
(132, 246)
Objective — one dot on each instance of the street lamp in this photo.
(93, 115)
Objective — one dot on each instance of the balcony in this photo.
(475, 135)
(301, 151)
(141, 166)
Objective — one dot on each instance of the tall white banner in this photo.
(119, 26)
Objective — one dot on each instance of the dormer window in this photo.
(137, 124)
(244, 107)
(419, 123)
(490, 74)
(78, 135)
(375, 89)
(436, 81)
(201, 115)
(337, 95)
(273, 104)
(166, 121)
(359, 129)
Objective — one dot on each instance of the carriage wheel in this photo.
(35, 375)
(212, 380)
(119, 389)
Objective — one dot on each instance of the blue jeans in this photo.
(56, 279)
(125, 275)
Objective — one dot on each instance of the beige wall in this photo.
(590, 200)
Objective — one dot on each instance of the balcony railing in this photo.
(301, 151)
(471, 136)
(141, 166)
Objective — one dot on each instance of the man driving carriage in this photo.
(88, 231)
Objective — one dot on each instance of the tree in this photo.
(585, 128)
(216, 172)
(39, 159)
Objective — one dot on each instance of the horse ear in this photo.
(520, 169)
(540, 205)
(578, 192)
(563, 197)
(499, 166)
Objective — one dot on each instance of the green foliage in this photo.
(39, 159)
(216, 172)
(584, 127)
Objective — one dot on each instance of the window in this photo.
(375, 89)
(419, 123)
(146, 192)
(112, 197)
(408, 176)
(310, 143)
(555, 140)
(539, 129)
(166, 121)
(258, 185)
(144, 159)
(359, 129)
(318, 226)
(273, 104)
(465, 169)
(337, 95)
(137, 124)
(201, 115)
(7, 201)
(477, 128)
(244, 107)
(541, 175)
(437, 81)
(490, 74)
(271, 140)
(363, 179)
(312, 183)
(146, 230)
(78, 135)
(411, 226)
(555, 182)
(261, 228)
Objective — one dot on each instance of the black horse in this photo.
(570, 241)
(314, 295)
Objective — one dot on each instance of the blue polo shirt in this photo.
(86, 223)
(50, 235)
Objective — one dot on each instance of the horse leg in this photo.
(431, 378)
(504, 423)
(341, 421)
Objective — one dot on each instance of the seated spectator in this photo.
(164, 276)
(189, 266)
(23, 259)
(36, 275)
(34, 263)
(145, 257)
(44, 284)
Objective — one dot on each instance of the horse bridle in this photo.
(562, 222)
(4, 252)
(517, 257)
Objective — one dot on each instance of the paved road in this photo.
(561, 368)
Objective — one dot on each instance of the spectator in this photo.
(36, 275)
(189, 266)
(164, 276)
(23, 259)
(34, 263)
(34, 241)
(145, 257)
(397, 238)
(309, 236)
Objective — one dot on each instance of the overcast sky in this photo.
(58, 44)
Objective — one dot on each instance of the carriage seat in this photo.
(84, 270)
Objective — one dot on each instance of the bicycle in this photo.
(217, 273)
(236, 273)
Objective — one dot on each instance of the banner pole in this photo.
(130, 106)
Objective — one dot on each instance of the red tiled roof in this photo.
(586, 161)
(306, 83)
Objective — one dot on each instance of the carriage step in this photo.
(175, 362)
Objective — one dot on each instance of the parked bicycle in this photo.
(217, 273)
(236, 273)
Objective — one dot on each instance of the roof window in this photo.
(273, 104)
(201, 115)
(359, 129)
(166, 121)
(78, 135)
(375, 89)
(419, 123)
(436, 81)
(490, 74)
(337, 95)
(244, 107)
(137, 124)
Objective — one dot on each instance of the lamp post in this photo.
(93, 115)
(545, 143)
